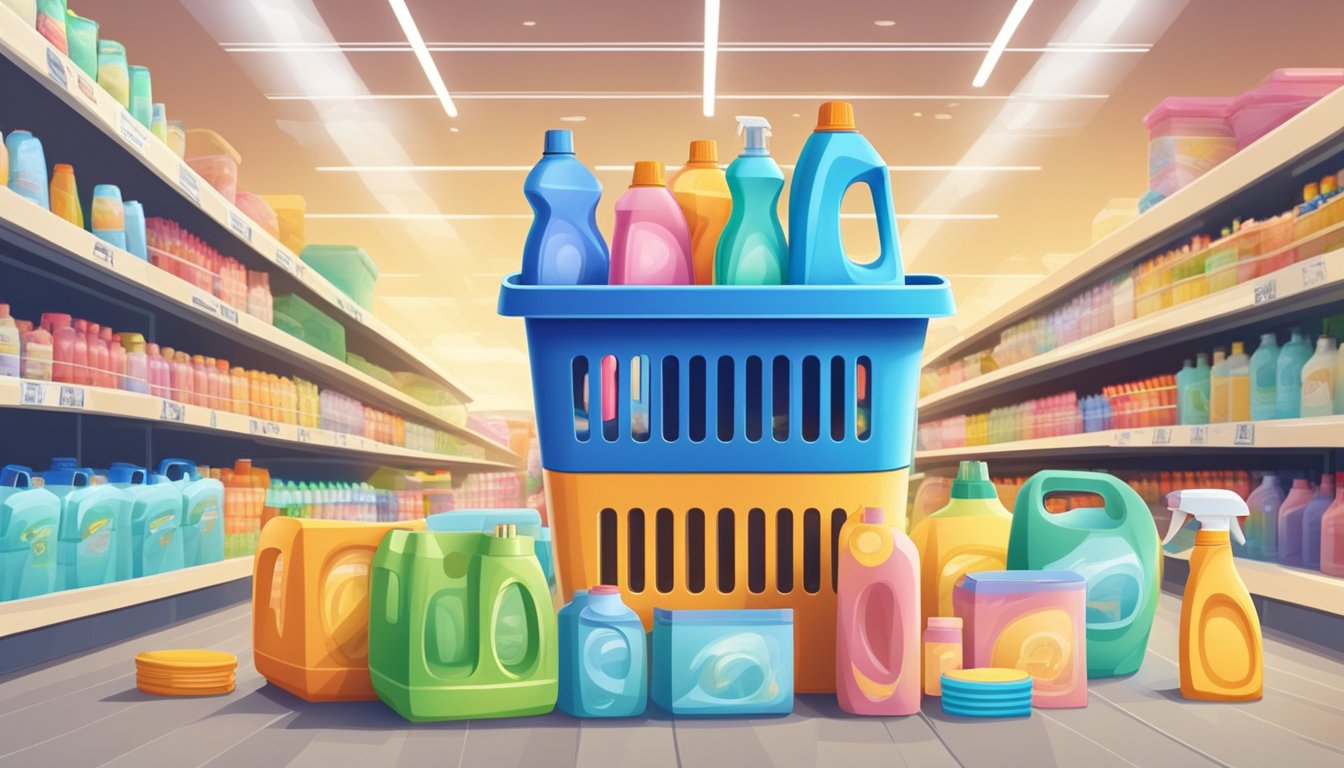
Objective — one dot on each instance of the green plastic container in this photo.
(303, 321)
(1115, 548)
(461, 626)
(81, 36)
(348, 267)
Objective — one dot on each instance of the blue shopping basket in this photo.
(712, 379)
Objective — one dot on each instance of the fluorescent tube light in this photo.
(1000, 42)
(417, 42)
(711, 53)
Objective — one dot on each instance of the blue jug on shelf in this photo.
(564, 245)
(156, 520)
(95, 531)
(202, 511)
(29, 522)
(603, 656)
(836, 157)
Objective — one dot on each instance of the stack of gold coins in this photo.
(185, 672)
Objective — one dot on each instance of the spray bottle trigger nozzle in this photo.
(752, 121)
(1178, 520)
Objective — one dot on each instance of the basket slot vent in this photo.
(727, 553)
(671, 398)
(863, 395)
(784, 551)
(756, 551)
(753, 399)
(838, 416)
(837, 522)
(812, 397)
(635, 550)
(579, 381)
(725, 409)
(665, 550)
(695, 551)
(697, 401)
(607, 538)
(779, 392)
(811, 551)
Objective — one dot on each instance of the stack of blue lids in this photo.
(988, 692)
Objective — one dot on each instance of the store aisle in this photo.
(87, 712)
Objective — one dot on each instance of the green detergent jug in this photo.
(156, 520)
(461, 626)
(95, 531)
(1114, 547)
(29, 521)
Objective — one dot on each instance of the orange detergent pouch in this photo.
(310, 606)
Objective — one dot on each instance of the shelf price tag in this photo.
(342, 439)
(189, 182)
(85, 88)
(1161, 435)
(1124, 438)
(33, 393)
(282, 258)
(349, 307)
(228, 313)
(132, 131)
(205, 302)
(104, 253)
(1313, 273)
(1245, 434)
(71, 396)
(304, 436)
(261, 427)
(1199, 435)
(214, 419)
(240, 225)
(170, 411)
(1266, 290)
(56, 68)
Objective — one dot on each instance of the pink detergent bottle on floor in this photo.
(877, 622)
(652, 243)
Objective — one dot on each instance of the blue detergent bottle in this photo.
(752, 249)
(95, 531)
(564, 245)
(156, 520)
(836, 157)
(29, 522)
(202, 511)
(603, 656)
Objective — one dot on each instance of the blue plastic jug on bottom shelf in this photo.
(603, 656)
(156, 520)
(29, 521)
(95, 531)
(202, 511)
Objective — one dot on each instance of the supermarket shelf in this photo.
(41, 232)
(1289, 434)
(1312, 136)
(1309, 589)
(1314, 282)
(99, 401)
(36, 612)
(88, 102)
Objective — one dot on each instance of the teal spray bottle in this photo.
(752, 249)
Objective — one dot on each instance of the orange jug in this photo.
(310, 606)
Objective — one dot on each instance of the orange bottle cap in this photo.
(63, 168)
(836, 116)
(704, 151)
(648, 173)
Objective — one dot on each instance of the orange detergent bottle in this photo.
(310, 606)
(1222, 650)
(701, 190)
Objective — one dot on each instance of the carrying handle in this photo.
(16, 476)
(887, 268)
(177, 469)
(1051, 481)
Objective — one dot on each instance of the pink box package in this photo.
(1281, 96)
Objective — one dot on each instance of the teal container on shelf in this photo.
(156, 520)
(348, 267)
(142, 95)
(202, 511)
(723, 662)
(303, 321)
(95, 533)
(30, 519)
(603, 656)
(81, 36)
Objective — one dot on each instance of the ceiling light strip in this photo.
(996, 48)
(422, 55)
(711, 54)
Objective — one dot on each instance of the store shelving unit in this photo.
(1260, 180)
(41, 253)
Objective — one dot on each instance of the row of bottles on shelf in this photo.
(707, 226)
(69, 350)
(123, 223)
(1244, 251)
(1287, 382)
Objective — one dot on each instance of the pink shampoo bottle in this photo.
(877, 623)
(652, 243)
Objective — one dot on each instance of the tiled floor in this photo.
(87, 712)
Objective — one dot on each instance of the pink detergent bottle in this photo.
(652, 243)
(877, 623)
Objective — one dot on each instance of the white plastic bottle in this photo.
(1318, 379)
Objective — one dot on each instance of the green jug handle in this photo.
(1111, 489)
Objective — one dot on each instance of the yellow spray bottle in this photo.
(1222, 650)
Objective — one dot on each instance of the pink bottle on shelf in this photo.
(651, 244)
(62, 345)
(98, 356)
(80, 363)
(160, 380)
(1290, 521)
(117, 361)
(877, 651)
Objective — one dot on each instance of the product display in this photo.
(687, 386)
